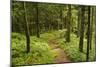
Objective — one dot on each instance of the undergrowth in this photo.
(72, 49)
(40, 51)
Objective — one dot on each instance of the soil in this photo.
(61, 56)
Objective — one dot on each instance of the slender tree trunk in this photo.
(79, 21)
(91, 28)
(46, 23)
(68, 24)
(58, 26)
(61, 11)
(37, 22)
(95, 24)
(82, 29)
(88, 35)
(65, 22)
(27, 29)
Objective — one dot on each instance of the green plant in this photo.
(40, 51)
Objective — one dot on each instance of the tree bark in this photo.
(61, 14)
(37, 22)
(82, 29)
(68, 24)
(79, 21)
(88, 35)
(27, 29)
(92, 12)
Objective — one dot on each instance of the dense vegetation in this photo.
(41, 30)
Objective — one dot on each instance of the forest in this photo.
(49, 33)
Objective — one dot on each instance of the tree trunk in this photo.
(82, 29)
(37, 22)
(61, 14)
(88, 35)
(91, 28)
(27, 29)
(79, 21)
(68, 24)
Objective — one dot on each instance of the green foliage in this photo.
(52, 18)
(40, 51)
(72, 49)
(50, 35)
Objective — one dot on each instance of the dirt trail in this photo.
(61, 56)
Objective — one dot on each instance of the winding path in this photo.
(61, 56)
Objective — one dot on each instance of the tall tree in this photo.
(92, 20)
(61, 16)
(79, 21)
(37, 22)
(68, 24)
(26, 29)
(88, 35)
(82, 29)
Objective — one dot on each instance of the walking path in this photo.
(61, 56)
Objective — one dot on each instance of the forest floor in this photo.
(61, 56)
(50, 48)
